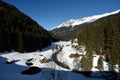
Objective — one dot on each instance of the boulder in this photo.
(29, 62)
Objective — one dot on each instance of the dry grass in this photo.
(74, 55)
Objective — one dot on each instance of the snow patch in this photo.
(95, 62)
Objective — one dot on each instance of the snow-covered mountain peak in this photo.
(67, 23)
(74, 22)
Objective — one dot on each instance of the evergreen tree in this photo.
(19, 32)
(103, 36)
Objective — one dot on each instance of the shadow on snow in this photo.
(15, 72)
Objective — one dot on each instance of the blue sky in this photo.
(51, 13)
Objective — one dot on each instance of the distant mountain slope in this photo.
(103, 37)
(69, 29)
(19, 32)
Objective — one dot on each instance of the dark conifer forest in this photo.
(19, 32)
(103, 36)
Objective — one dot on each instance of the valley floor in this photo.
(49, 70)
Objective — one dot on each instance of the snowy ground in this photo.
(50, 69)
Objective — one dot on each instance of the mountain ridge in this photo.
(75, 22)
(19, 32)
(70, 31)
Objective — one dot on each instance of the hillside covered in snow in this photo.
(50, 70)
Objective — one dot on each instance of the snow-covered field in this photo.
(49, 70)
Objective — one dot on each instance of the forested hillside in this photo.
(68, 33)
(19, 32)
(103, 36)
(69, 29)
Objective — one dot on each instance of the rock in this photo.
(29, 62)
